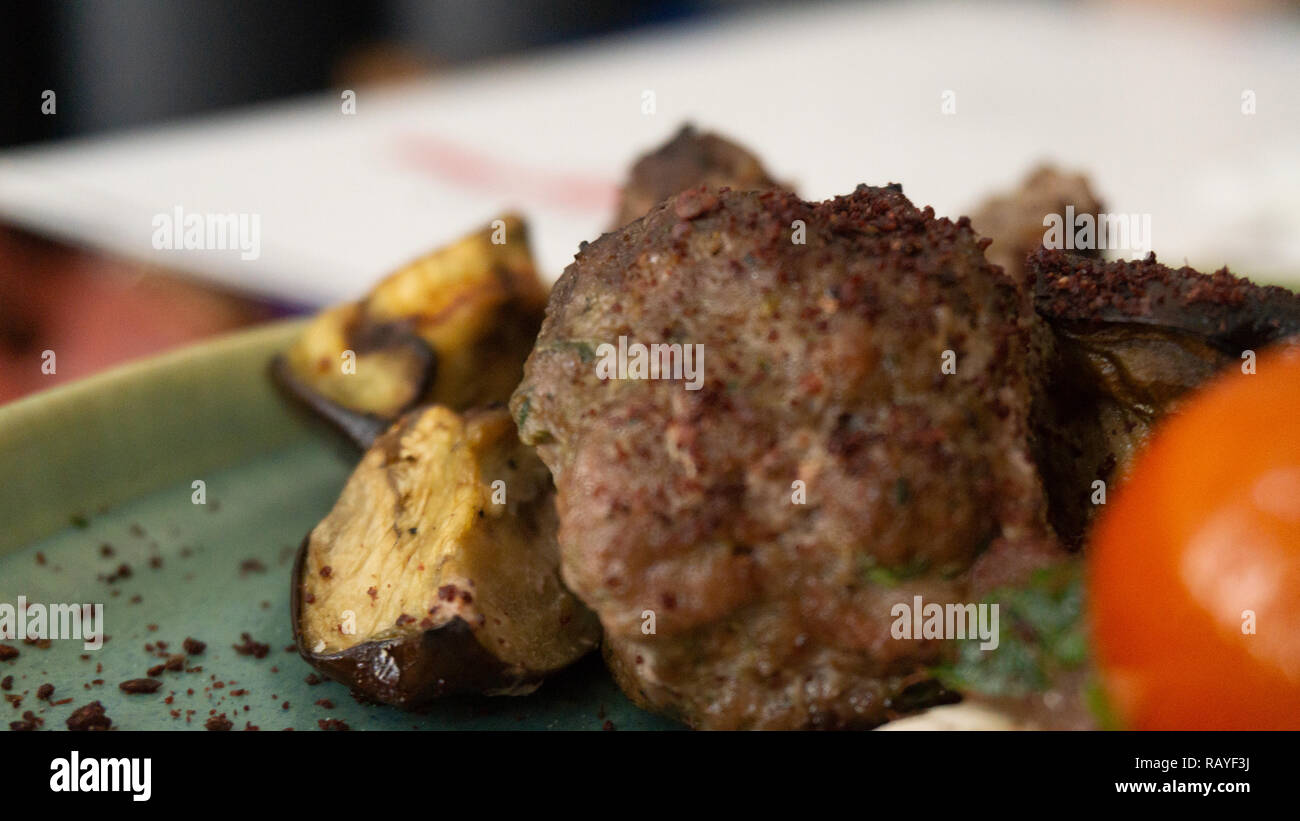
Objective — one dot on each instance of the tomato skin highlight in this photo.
(1203, 532)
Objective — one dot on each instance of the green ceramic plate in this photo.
(97, 505)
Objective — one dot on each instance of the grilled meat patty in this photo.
(744, 544)
(689, 159)
(1014, 220)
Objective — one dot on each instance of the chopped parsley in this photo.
(586, 352)
(893, 576)
(1042, 634)
(902, 491)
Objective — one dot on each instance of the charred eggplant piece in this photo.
(437, 571)
(1128, 339)
(690, 159)
(453, 327)
(1227, 312)
(392, 370)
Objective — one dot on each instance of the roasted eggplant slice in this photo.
(451, 328)
(437, 571)
(1128, 339)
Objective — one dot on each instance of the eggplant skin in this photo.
(410, 671)
(437, 571)
(360, 428)
(1219, 310)
(452, 327)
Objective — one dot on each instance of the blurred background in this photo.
(464, 108)
(131, 62)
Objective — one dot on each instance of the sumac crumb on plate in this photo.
(219, 723)
(89, 718)
(248, 647)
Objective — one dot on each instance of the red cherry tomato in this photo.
(1194, 568)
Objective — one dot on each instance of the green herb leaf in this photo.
(1042, 634)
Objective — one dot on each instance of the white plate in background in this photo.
(1148, 104)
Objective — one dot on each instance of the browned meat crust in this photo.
(822, 368)
(689, 159)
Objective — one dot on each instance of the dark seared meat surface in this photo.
(1128, 340)
(689, 159)
(822, 365)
